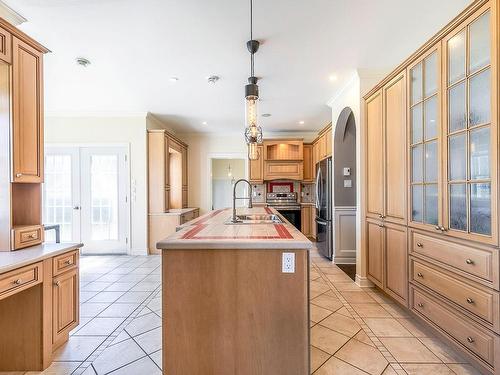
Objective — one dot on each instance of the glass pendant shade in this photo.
(251, 112)
(253, 151)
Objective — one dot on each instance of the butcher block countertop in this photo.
(10, 260)
(210, 232)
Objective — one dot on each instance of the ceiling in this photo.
(135, 46)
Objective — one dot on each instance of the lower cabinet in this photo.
(65, 309)
(306, 220)
(388, 258)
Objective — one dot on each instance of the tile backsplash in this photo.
(259, 193)
(308, 192)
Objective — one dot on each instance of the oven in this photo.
(287, 206)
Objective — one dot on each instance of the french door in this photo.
(86, 192)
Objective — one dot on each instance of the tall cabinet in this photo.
(432, 124)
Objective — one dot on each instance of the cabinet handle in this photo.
(419, 244)
(420, 304)
(469, 261)
(17, 282)
(57, 283)
(470, 339)
(443, 229)
(32, 235)
(420, 274)
(68, 262)
(381, 225)
(437, 227)
(19, 175)
(470, 300)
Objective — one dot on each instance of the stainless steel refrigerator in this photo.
(324, 228)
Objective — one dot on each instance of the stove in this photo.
(287, 205)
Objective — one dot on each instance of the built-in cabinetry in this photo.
(307, 220)
(283, 159)
(21, 139)
(322, 145)
(167, 185)
(309, 166)
(431, 170)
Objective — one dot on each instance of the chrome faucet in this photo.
(234, 219)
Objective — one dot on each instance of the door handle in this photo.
(321, 223)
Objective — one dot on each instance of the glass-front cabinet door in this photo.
(424, 139)
(470, 130)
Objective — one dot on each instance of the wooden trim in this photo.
(322, 131)
(435, 39)
(23, 36)
(168, 134)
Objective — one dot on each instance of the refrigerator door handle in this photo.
(318, 174)
(324, 223)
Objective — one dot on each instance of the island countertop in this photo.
(210, 232)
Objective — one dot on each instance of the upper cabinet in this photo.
(308, 164)
(27, 113)
(283, 149)
(470, 129)
(322, 145)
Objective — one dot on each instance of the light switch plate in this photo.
(288, 263)
(347, 171)
(347, 183)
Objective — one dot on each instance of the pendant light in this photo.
(253, 132)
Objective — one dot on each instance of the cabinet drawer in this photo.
(479, 262)
(471, 336)
(481, 302)
(64, 262)
(20, 279)
(27, 236)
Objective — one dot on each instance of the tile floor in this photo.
(353, 330)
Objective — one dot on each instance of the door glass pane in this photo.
(457, 114)
(57, 196)
(416, 124)
(456, 57)
(431, 204)
(430, 108)
(480, 154)
(416, 209)
(480, 98)
(480, 42)
(480, 208)
(457, 157)
(458, 207)
(416, 83)
(417, 172)
(104, 197)
(431, 161)
(430, 75)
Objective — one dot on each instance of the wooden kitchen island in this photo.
(228, 307)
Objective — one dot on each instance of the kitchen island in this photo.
(235, 297)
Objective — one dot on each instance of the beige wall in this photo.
(220, 168)
(108, 130)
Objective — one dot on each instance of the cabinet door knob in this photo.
(420, 304)
(437, 227)
(381, 225)
(419, 244)
(31, 235)
(469, 261)
(57, 283)
(470, 339)
(19, 175)
(17, 282)
(68, 262)
(470, 300)
(443, 229)
(420, 274)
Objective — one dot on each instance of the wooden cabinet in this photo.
(65, 309)
(282, 159)
(160, 226)
(5, 45)
(306, 220)
(27, 113)
(283, 149)
(322, 145)
(290, 170)
(256, 167)
(375, 250)
(308, 164)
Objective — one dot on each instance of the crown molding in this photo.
(10, 15)
(105, 114)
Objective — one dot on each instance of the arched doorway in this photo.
(344, 190)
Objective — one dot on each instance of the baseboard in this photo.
(138, 252)
(341, 260)
(363, 282)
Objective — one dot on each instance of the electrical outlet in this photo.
(347, 183)
(288, 263)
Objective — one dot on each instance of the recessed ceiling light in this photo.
(301, 122)
(82, 61)
(333, 77)
(266, 115)
(174, 79)
(213, 79)
(204, 123)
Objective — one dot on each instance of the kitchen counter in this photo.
(176, 211)
(210, 232)
(10, 260)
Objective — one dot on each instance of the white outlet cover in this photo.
(288, 263)
(347, 171)
(347, 183)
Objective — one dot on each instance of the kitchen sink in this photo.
(256, 219)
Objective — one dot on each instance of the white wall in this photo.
(107, 130)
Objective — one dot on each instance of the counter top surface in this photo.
(176, 211)
(10, 260)
(210, 232)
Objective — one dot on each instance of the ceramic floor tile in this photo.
(387, 327)
(349, 286)
(363, 337)
(89, 309)
(103, 296)
(122, 336)
(409, 350)
(327, 340)
(426, 369)
(318, 357)
(157, 358)
(442, 351)
(363, 356)
(85, 296)
(318, 313)
(120, 287)
(336, 366)
(119, 310)
(396, 310)
(357, 297)
(150, 341)
(142, 366)
(463, 369)
(415, 328)
(117, 356)
(99, 327)
(133, 297)
(328, 302)
(95, 286)
(370, 310)
(342, 324)
(78, 348)
(143, 324)
(57, 368)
